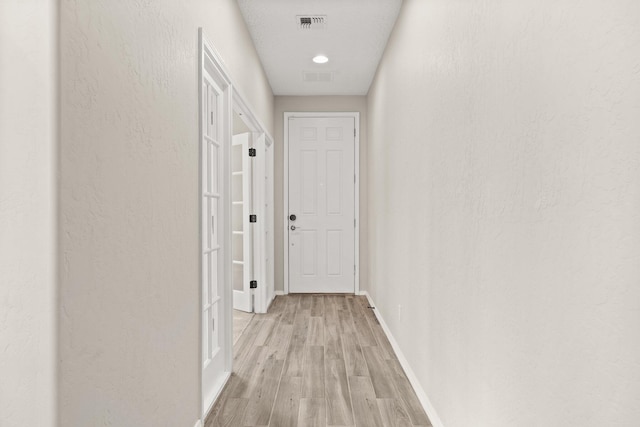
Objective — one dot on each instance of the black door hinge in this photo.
(253, 284)
(252, 152)
(253, 218)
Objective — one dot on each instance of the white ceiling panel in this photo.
(353, 36)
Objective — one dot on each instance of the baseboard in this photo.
(280, 293)
(225, 381)
(198, 424)
(422, 396)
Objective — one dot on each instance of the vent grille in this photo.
(315, 76)
(312, 22)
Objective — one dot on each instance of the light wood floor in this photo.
(240, 322)
(316, 360)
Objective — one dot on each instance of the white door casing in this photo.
(215, 260)
(321, 191)
(216, 355)
(241, 242)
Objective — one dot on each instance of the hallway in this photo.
(498, 212)
(316, 360)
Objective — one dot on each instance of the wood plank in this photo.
(407, 394)
(243, 347)
(317, 305)
(345, 321)
(274, 359)
(365, 335)
(248, 376)
(365, 406)
(266, 332)
(230, 413)
(362, 300)
(278, 304)
(332, 340)
(351, 303)
(222, 400)
(386, 351)
(313, 375)
(300, 328)
(316, 331)
(339, 411)
(262, 395)
(306, 301)
(276, 308)
(341, 303)
(353, 357)
(333, 346)
(379, 371)
(286, 407)
(293, 299)
(294, 363)
(289, 312)
(393, 413)
(279, 343)
(312, 413)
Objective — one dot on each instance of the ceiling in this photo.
(353, 37)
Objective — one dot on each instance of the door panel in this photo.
(263, 231)
(321, 196)
(213, 367)
(241, 241)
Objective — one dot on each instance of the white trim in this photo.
(198, 424)
(285, 205)
(356, 196)
(225, 380)
(417, 387)
(261, 300)
(207, 54)
(280, 293)
(253, 123)
(260, 303)
(238, 103)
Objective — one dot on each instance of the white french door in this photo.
(263, 237)
(241, 243)
(321, 200)
(215, 108)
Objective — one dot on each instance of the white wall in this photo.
(504, 208)
(311, 104)
(28, 135)
(129, 312)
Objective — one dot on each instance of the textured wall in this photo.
(504, 208)
(129, 313)
(28, 134)
(318, 103)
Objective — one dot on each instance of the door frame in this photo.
(265, 292)
(285, 231)
(208, 55)
(210, 63)
(245, 295)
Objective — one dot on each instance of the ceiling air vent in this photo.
(315, 76)
(312, 22)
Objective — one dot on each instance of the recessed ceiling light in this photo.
(320, 59)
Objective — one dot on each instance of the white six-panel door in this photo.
(321, 195)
